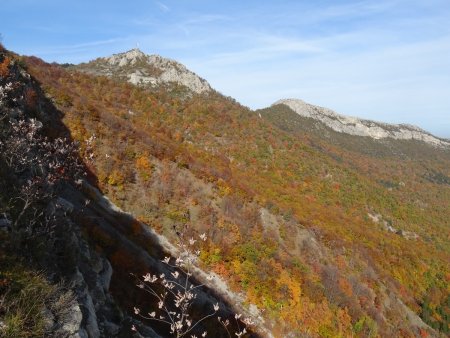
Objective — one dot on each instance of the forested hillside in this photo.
(309, 231)
(324, 238)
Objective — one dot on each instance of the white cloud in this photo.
(397, 83)
(162, 7)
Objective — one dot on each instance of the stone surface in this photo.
(91, 322)
(49, 319)
(105, 275)
(72, 323)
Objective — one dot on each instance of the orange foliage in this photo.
(221, 270)
(423, 333)
(4, 67)
(344, 321)
(340, 262)
(345, 287)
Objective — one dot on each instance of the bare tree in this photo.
(175, 292)
(36, 165)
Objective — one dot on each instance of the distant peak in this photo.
(361, 127)
(283, 101)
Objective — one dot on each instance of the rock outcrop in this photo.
(360, 127)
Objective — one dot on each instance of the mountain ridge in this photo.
(362, 127)
(153, 70)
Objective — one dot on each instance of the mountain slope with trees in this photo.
(318, 237)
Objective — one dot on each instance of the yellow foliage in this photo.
(224, 188)
(285, 280)
(292, 311)
(144, 167)
(116, 178)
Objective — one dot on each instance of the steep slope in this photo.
(64, 247)
(287, 218)
(360, 127)
(146, 70)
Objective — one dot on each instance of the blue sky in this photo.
(382, 60)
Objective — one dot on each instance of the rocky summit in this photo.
(145, 70)
(360, 127)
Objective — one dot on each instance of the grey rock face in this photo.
(72, 323)
(105, 275)
(355, 126)
(91, 325)
(92, 313)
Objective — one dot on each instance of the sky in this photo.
(381, 60)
